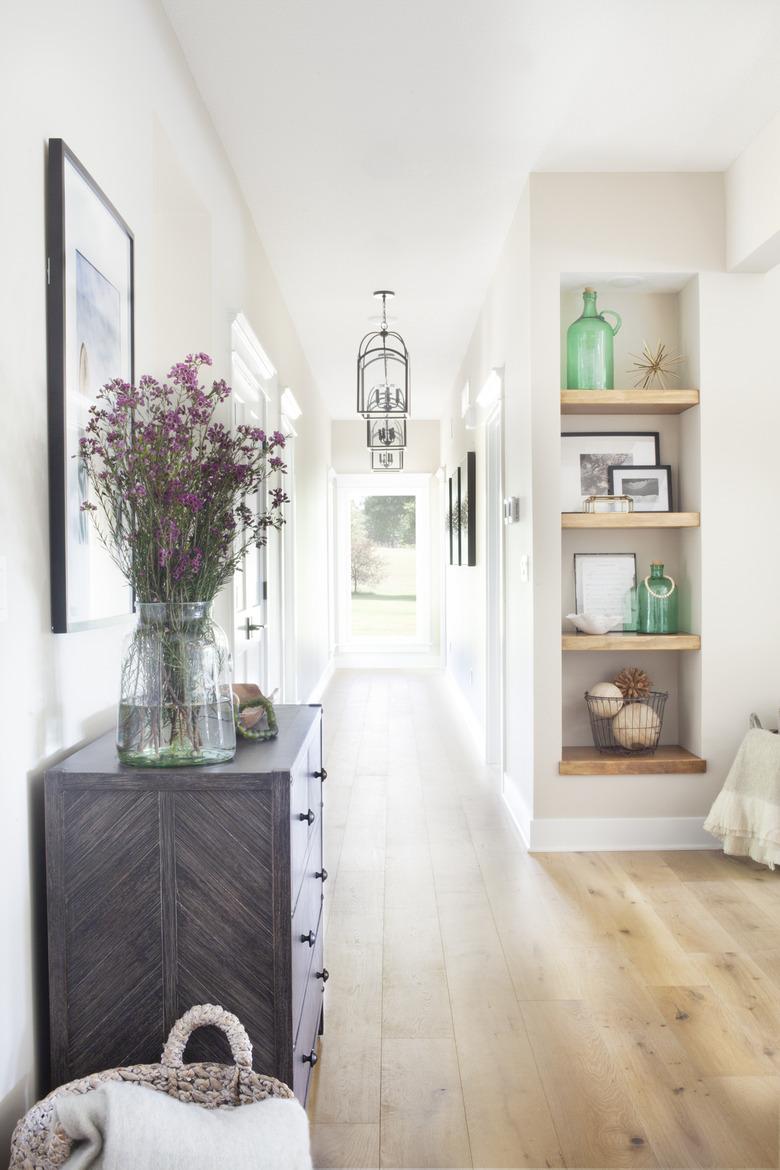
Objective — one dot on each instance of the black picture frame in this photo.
(68, 375)
(467, 520)
(660, 471)
(574, 486)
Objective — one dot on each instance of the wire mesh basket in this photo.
(626, 726)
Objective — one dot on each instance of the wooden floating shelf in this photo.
(589, 761)
(619, 641)
(630, 520)
(628, 401)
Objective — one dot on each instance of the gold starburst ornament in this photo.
(654, 364)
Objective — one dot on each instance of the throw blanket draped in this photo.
(746, 813)
(127, 1127)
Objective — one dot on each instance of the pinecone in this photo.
(633, 683)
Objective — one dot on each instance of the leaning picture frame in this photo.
(649, 487)
(586, 457)
(89, 340)
(605, 586)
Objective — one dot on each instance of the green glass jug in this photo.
(657, 602)
(589, 347)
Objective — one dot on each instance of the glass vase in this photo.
(589, 347)
(657, 602)
(175, 705)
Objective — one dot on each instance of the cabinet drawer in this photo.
(305, 926)
(305, 813)
(305, 1046)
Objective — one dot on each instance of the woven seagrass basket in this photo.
(40, 1143)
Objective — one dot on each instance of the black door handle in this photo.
(321, 775)
(324, 974)
(309, 816)
(309, 938)
(311, 1059)
(323, 873)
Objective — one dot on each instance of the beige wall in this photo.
(111, 81)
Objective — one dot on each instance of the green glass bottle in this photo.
(658, 602)
(589, 347)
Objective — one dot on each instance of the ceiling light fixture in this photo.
(383, 371)
(383, 434)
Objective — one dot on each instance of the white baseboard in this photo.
(517, 808)
(318, 690)
(612, 834)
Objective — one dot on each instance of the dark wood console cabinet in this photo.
(171, 887)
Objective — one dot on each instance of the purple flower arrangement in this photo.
(174, 490)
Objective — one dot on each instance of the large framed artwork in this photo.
(89, 316)
(586, 458)
(453, 524)
(467, 519)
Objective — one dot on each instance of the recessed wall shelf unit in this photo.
(634, 642)
(588, 761)
(628, 401)
(621, 520)
(662, 311)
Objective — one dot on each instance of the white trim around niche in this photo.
(608, 834)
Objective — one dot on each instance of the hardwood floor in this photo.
(490, 1008)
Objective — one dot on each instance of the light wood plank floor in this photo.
(489, 1008)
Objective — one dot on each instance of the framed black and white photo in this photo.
(587, 456)
(467, 518)
(649, 487)
(604, 586)
(89, 335)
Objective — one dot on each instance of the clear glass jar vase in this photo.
(175, 704)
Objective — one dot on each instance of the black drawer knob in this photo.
(324, 974)
(309, 816)
(309, 938)
(321, 775)
(311, 1058)
(322, 873)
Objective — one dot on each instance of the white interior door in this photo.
(494, 558)
(253, 384)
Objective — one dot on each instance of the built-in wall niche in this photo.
(659, 307)
(652, 310)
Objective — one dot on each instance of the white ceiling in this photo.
(386, 145)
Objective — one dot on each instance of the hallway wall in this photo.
(500, 340)
(646, 224)
(111, 80)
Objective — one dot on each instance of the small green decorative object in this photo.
(253, 713)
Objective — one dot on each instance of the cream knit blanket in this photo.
(127, 1127)
(746, 812)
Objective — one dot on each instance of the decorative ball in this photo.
(633, 683)
(609, 697)
(636, 727)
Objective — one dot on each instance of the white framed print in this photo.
(586, 458)
(605, 586)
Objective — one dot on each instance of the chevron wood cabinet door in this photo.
(171, 887)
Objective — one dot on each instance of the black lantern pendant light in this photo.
(383, 371)
(387, 460)
(383, 434)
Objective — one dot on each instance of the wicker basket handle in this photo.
(201, 1016)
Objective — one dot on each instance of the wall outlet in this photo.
(525, 572)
